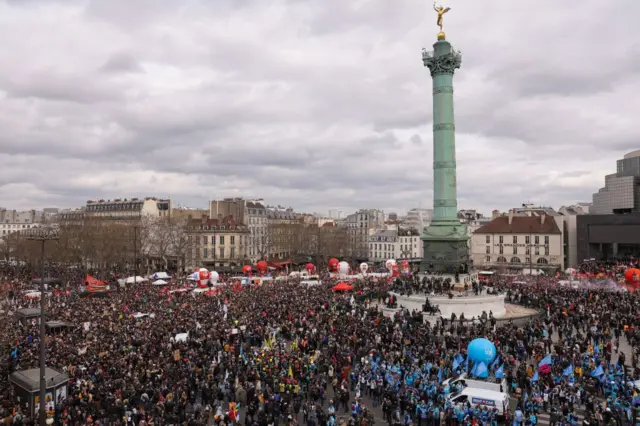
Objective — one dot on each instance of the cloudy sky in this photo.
(317, 104)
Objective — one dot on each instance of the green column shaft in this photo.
(445, 205)
(445, 239)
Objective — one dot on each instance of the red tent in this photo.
(342, 286)
(94, 282)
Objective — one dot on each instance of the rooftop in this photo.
(29, 380)
(205, 221)
(512, 224)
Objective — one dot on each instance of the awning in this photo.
(342, 286)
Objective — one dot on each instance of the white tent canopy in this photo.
(159, 282)
(181, 337)
(160, 276)
(137, 279)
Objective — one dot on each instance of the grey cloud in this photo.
(575, 173)
(122, 63)
(313, 104)
(49, 85)
(416, 140)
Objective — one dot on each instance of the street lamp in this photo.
(42, 234)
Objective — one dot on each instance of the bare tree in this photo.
(156, 240)
(287, 240)
(180, 242)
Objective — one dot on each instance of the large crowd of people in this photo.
(281, 353)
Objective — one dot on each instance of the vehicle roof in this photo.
(484, 393)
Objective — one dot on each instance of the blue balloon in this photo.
(482, 350)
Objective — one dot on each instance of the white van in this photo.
(477, 384)
(481, 398)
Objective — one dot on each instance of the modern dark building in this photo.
(608, 236)
(612, 230)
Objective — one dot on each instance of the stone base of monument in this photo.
(471, 306)
(516, 313)
(389, 312)
(463, 279)
(431, 319)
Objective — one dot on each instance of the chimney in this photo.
(542, 219)
(510, 216)
(495, 214)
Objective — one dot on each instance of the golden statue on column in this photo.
(440, 10)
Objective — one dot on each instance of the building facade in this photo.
(283, 229)
(570, 231)
(360, 226)
(621, 191)
(417, 219)
(518, 242)
(133, 209)
(215, 243)
(257, 222)
(395, 244)
(610, 236)
(251, 213)
(14, 221)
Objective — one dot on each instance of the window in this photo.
(546, 250)
(527, 251)
(537, 239)
(487, 259)
(515, 239)
(221, 252)
(233, 252)
(500, 239)
(221, 240)
(546, 239)
(515, 249)
(488, 249)
(537, 251)
(198, 239)
(233, 241)
(488, 239)
(206, 253)
(528, 260)
(501, 249)
(204, 240)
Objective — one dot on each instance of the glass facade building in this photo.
(621, 192)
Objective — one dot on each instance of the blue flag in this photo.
(481, 370)
(440, 375)
(457, 361)
(495, 362)
(597, 372)
(500, 372)
(547, 360)
(568, 371)
(535, 377)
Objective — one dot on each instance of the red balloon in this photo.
(310, 267)
(262, 267)
(247, 269)
(394, 271)
(632, 275)
(203, 275)
(333, 264)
